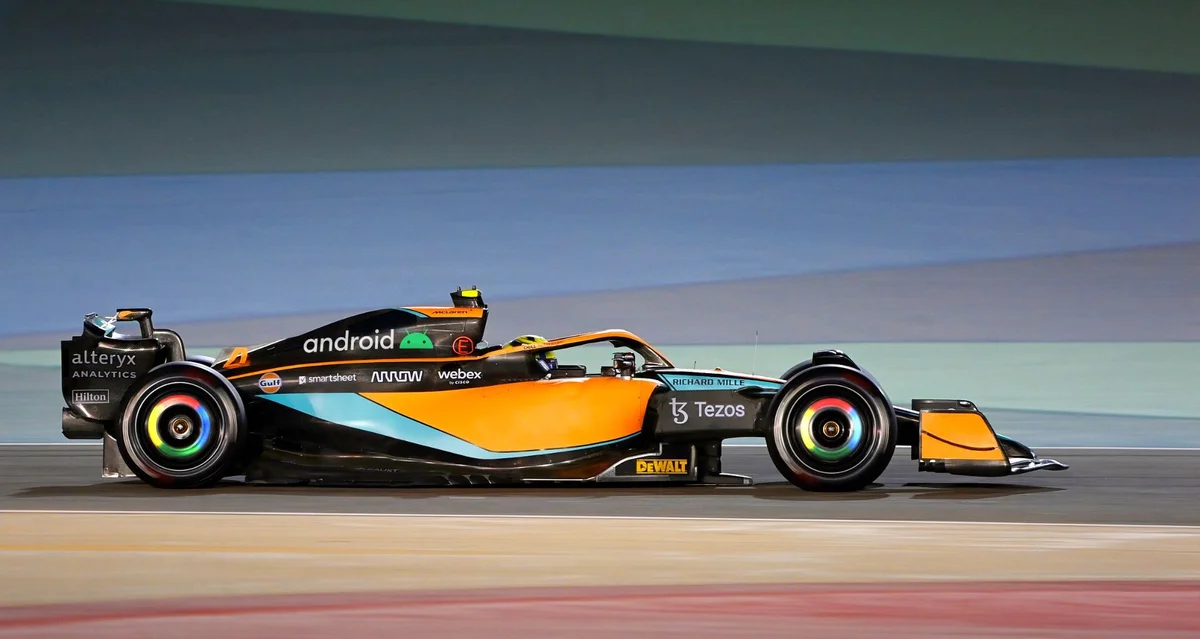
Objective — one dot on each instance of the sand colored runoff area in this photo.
(62, 557)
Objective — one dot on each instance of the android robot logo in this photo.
(416, 341)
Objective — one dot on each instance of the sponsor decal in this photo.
(269, 383)
(325, 379)
(93, 358)
(545, 344)
(452, 312)
(661, 467)
(679, 410)
(397, 377)
(459, 376)
(463, 345)
(378, 341)
(115, 362)
(240, 357)
(416, 341)
(98, 396)
(104, 374)
(714, 382)
(348, 342)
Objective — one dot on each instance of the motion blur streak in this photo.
(993, 200)
(424, 563)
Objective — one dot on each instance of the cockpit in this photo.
(597, 359)
(624, 364)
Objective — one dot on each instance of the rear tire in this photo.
(832, 429)
(183, 426)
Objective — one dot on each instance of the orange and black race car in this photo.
(413, 396)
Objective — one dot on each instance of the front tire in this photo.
(832, 430)
(183, 426)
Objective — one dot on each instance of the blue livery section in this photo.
(355, 411)
(699, 382)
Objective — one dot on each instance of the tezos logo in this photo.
(678, 412)
(705, 409)
(459, 376)
(270, 383)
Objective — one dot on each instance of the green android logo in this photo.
(416, 341)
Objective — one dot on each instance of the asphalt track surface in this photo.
(1102, 486)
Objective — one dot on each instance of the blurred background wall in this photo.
(701, 172)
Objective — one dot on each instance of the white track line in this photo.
(1037, 448)
(797, 520)
(17, 444)
(1114, 448)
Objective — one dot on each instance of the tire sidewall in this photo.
(229, 425)
(796, 465)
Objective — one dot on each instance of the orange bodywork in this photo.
(958, 435)
(538, 415)
(583, 338)
(448, 311)
(240, 357)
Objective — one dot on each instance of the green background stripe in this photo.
(1145, 379)
(1153, 35)
(1138, 379)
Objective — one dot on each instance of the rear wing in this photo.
(100, 365)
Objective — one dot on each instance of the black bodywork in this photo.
(292, 437)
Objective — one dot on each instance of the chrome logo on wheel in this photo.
(830, 429)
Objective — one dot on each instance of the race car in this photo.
(414, 396)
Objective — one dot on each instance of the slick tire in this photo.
(182, 426)
(831, 429)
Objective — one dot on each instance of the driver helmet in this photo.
(546, 357)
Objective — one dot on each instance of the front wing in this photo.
(953, 436)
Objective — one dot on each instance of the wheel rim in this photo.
(173, 429)
(177, 431)
(829, 430)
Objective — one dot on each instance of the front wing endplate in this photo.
(955, 437)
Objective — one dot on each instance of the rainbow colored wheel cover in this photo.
(807, 424)
(171, 401)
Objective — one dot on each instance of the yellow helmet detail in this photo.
(549, 356)
(528, 339)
